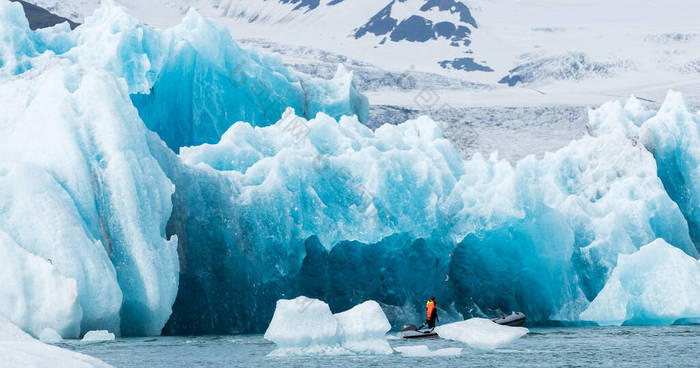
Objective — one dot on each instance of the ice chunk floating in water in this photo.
(658, 284)
(98, 335)
(305, 326)
(481, 333)
(363, 329)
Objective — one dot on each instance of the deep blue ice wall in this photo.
(399, 271)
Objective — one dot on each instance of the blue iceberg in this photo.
(169, 181)
(84, 202)
(347, 214)
(82, 194)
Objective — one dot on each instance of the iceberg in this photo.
(305, 326)
(18, 349)
(81, 190)
(671, 135)
(84, 203)
(424, 351)
(481, 333)
(656, 285)
(349, 214)
(191, 82)
(363, 329)
(97, 336)
(168, 181)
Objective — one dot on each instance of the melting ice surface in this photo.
(133, 200)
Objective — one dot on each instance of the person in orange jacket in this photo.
(432, 314)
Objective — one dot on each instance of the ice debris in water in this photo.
(19, 349)
(304, 326)
(98, 335)
(658, 284)
(424, 351)
(481, 333)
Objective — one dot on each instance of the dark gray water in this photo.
(675, 346)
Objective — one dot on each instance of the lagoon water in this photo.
(674, 346)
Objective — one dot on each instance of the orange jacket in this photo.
(430, 306)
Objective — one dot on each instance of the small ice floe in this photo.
(98, 335)
(481, 333)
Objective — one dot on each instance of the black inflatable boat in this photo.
(410, 331)
(513, 319)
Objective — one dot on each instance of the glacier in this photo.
(167, 181)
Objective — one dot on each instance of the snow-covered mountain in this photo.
(40, 18)
(496, 71)
(570, 48)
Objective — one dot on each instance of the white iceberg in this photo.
(363, 329)
(98, 335)
(656, 285)
(305, 326)
(481, 333)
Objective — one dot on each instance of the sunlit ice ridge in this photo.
(167, 181)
